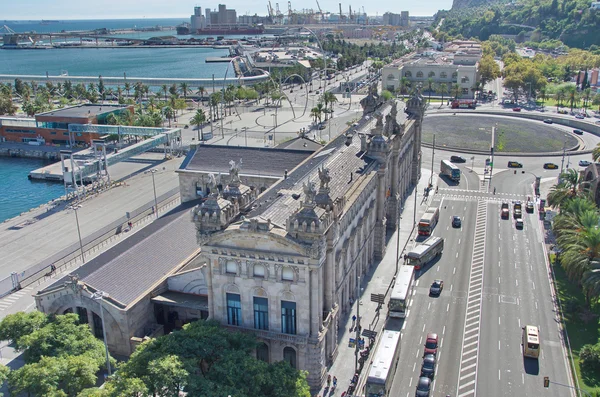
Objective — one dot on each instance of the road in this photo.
(495, 281)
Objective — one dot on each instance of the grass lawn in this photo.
(582, 329)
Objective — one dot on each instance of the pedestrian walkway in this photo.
(377, 281)
(8, 301)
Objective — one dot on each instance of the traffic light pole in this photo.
(547, 384)
(492, 156)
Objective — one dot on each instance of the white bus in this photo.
(424, 253)
(428, 221)
(402, 291)
(531, 341)
(383, 369)
(450, 170)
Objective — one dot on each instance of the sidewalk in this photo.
(376, 281)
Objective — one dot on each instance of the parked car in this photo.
(548, 121)
(431, 344)
(428, 366)
(456, 221)
(584, 163)
(578, 131)
(423, 387)
(514, 164)
(550, 166)
(580, 116)
(436, 288)
(516, 109)
(458, 159)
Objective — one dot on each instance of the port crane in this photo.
(320, 11)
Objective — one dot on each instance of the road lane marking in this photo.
(448, 307)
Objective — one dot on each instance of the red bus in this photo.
(428, 221)
(464, 104)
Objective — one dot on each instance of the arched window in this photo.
(464, 80)
(431, 74)
(232, 267)
(287, 274)
(68, 310)
(83, 315)
(407, 74)
(289, 356)
(262, 352)
(390, 77)
(454, 75)
(443, 75)
(259, 271)
(419, 74)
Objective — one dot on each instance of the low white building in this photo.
(444, 68)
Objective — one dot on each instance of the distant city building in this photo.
(595, 5)
(225, 21)
(392, 19)
(252, 19)
(450, 68)
(53, 127)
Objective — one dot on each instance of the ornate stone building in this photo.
(282, 264)
(286, 266)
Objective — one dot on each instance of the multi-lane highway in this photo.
(496, 281)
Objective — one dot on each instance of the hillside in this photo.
(571, 21)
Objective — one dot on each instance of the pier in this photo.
(216, 82)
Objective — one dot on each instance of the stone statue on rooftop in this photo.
(324, 177)
(309, 192)
(234, 171)
(372, 101)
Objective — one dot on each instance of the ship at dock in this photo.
(230, 30)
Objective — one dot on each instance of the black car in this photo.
(578, 131)
(458, 159)
(456, 222)
(548, 121)
(428, 366)
(423, 387)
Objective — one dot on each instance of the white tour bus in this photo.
(402, 291)
(424, 253)
(383, 369)
(531, 341)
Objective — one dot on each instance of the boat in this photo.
(183, 29)
(231, 29)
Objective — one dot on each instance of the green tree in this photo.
(199, 119)
(430, 87)
(185, 90)
(36, 379)
(201, 92)
(386, 95)
(14, 326)
(442, 89)
(164, 89)
(4, 372)
(169, 113)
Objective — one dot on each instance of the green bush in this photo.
(589, 357)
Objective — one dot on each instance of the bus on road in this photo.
(424, 253)
(383, 369)
(531, 341)
(428, 221)
(402, 291)
(450, 170)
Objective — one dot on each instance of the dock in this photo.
(217, 59)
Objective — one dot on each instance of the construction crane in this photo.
(350, 17)
(270, 9)
(341, 15)
(320, 11)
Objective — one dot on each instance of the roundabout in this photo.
(473, 132)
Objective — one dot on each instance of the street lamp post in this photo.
(154, 188)
(98, 296)
(357, 349)
(75, 208)
(562, 163)
(245, 134)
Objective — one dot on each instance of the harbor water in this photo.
(17, 193)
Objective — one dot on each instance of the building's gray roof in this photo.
(300, 143)
(80, 111)
(134, 265)
(255, 161)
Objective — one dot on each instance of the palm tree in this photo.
(430, 86)
(456, 90)
(586, 95)
(404, 84)
(590, 280)
(127, 88)
(316, 113)
(185, 89)
(201, 92)
(572, 96)
(165, 89)
(169, 113)
(199, 119)
(442, 89)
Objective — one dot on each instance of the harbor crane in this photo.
(350, 17)
(341, 15)
(270, 9)
(320, 11)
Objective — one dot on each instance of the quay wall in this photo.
(30, 153)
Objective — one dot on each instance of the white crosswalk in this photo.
(467, 374)
(9, 300)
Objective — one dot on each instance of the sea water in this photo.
(17, 193)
